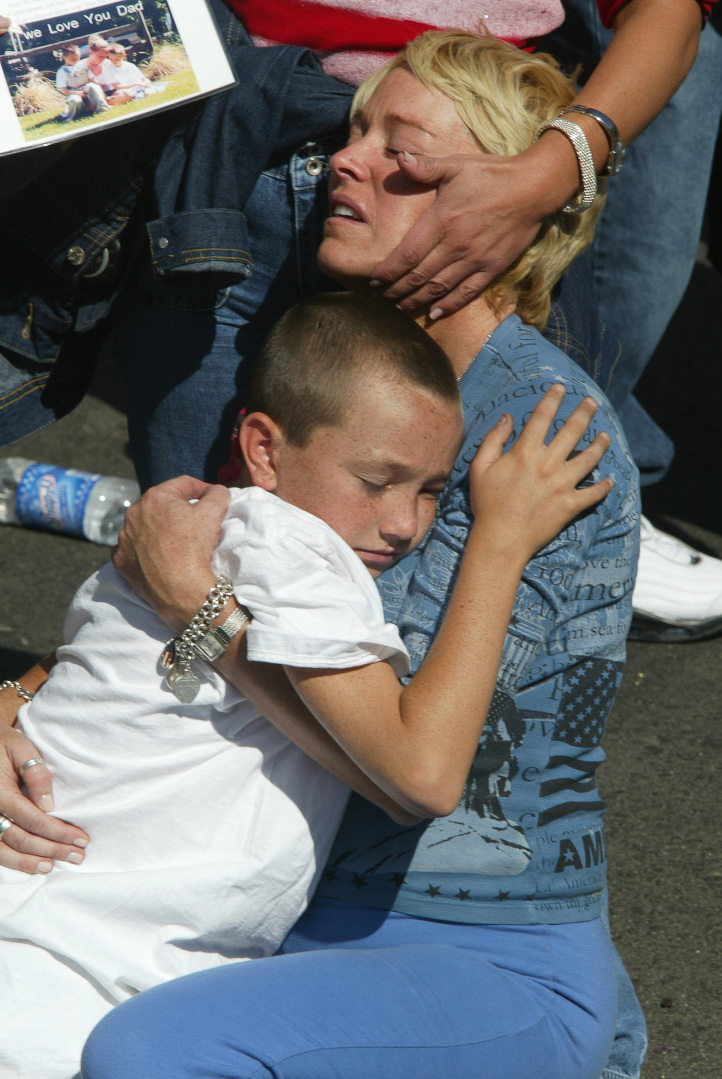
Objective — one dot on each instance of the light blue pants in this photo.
(363, 994)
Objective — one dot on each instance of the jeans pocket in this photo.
(34, 332)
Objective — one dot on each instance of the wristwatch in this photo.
(215, 641)
(615, 160)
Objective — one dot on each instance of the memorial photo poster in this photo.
(67, 70)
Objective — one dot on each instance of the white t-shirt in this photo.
(208, 828)
(71, 77)
(126, 74)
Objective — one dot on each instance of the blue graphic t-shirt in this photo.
(525, 843)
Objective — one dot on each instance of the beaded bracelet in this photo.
(26, 694)
(584, 158)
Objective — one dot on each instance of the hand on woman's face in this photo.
(373, 204)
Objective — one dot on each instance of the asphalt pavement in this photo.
(665, 736)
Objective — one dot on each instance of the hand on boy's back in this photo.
(165, 547)
(525, 496)
(35, 838)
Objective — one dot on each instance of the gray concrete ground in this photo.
(665, 733)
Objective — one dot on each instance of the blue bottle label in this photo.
(54, 498)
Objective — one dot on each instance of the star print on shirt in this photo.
(584, 704)
(433, 891)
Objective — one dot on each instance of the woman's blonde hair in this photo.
(502, 95)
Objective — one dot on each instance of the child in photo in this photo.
(128, 81)
(207, 827)
(74, 82)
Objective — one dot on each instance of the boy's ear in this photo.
(260, 439)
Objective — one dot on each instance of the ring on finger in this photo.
(5, 823)
(30, 763)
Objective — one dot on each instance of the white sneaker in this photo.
(678, 592)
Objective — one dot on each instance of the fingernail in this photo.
(80, 842)
(435, 313)
(76, 858)
(44, 867)
(410, 158)
(46, 803)
(375, 284)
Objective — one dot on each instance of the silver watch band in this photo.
(215, 641)
(617, 150)
(584, 159)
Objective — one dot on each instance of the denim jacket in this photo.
(71, 232)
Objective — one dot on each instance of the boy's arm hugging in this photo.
(418, 743)
(165, 553)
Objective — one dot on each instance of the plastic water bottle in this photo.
(64, 499)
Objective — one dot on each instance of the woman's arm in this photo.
(489, 209)
(35, 838)
(11, 701)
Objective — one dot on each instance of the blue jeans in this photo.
(187, 350)
(646, 242)
(361, 993)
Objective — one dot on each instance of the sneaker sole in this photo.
(646, 628)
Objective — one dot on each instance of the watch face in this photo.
(209, 647)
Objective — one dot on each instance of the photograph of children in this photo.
(136, 62)
(73, 80)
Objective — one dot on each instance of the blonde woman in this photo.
(470, 944)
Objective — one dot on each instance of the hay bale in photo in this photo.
(167, 59)
(37, 94)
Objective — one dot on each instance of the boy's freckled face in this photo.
(375, 477)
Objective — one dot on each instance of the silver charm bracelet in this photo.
(179, 651)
